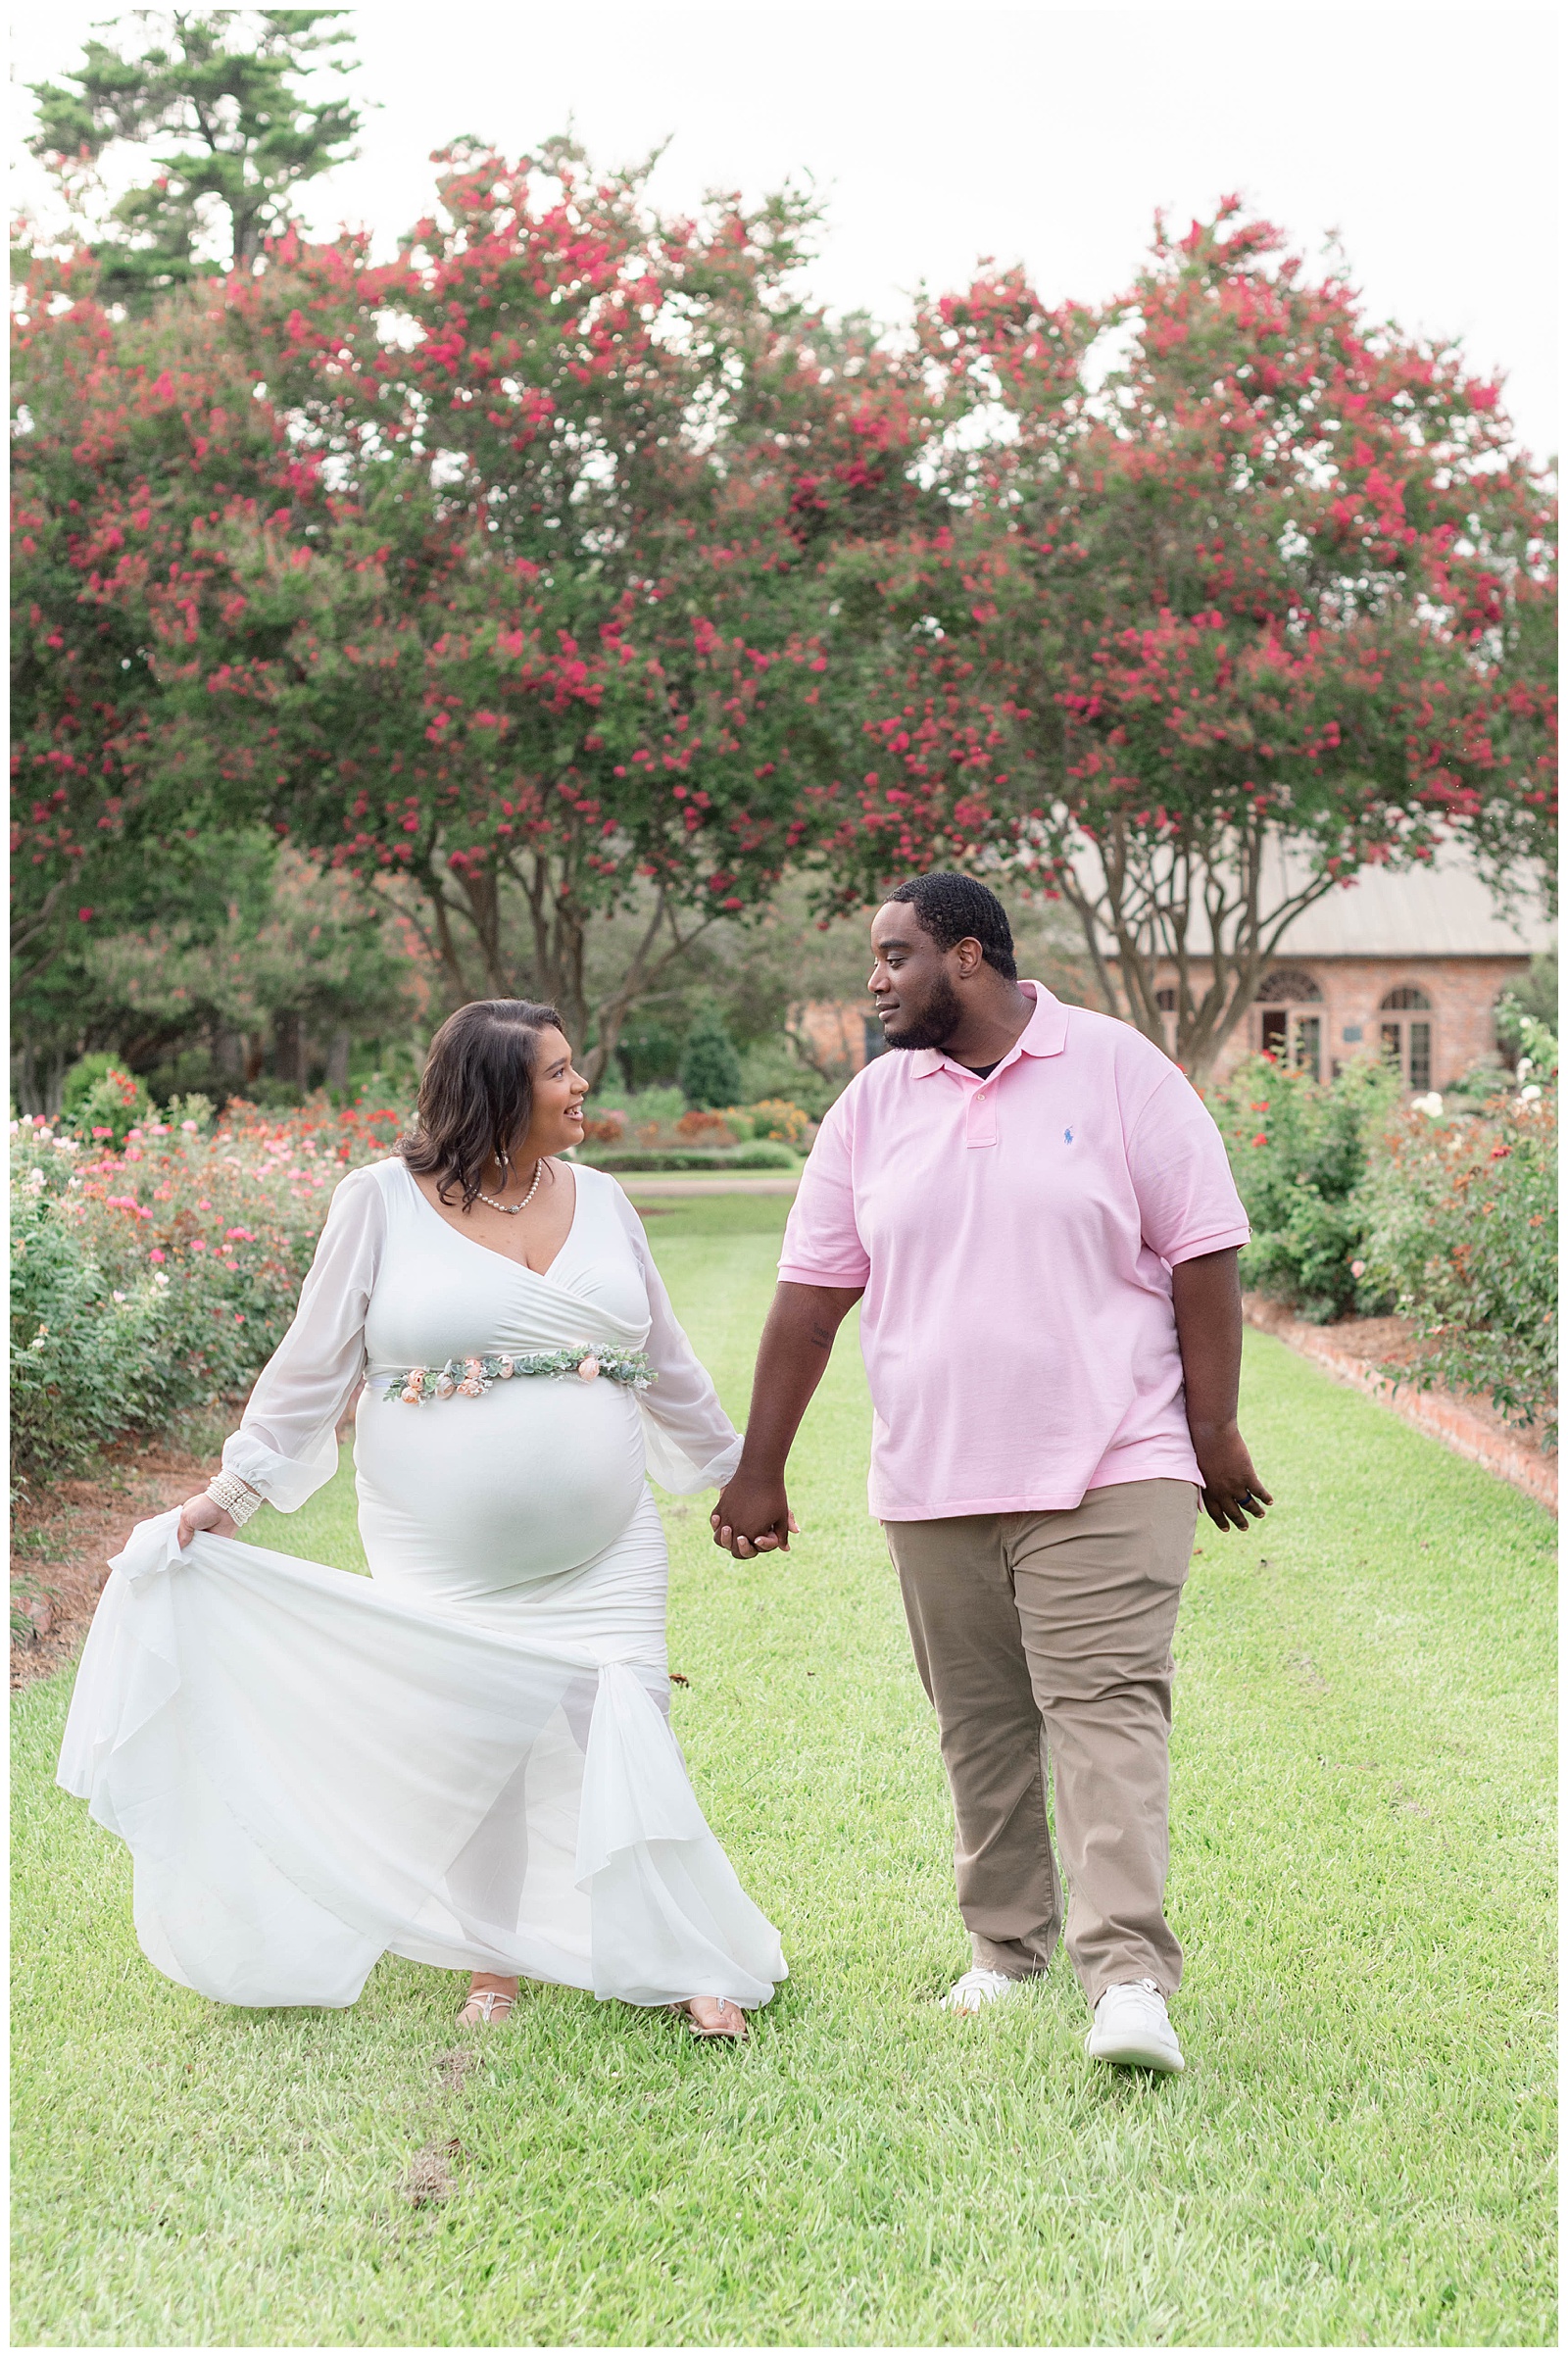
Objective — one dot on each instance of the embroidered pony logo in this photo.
(1066, 1137)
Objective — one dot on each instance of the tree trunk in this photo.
(288, 1047)
(1147, 902)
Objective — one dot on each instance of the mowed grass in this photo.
(1362, 2148)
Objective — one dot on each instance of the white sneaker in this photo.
(1132, 2026)
(976, 1989)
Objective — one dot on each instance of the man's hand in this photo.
(1207, 1295)
(1232, 1490)
(753, 1517)
(203, 1513)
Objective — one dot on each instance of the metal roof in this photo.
(1442, 911)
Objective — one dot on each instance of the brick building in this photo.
(1414, 962)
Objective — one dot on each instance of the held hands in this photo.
(753, 1517)
(1232, 1490)
(203, 1513)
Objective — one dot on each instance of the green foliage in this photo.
(771, 1072)
(81, 1080)
(644, 1108)
(84, 1357)
(111, 1107)
(764, 1154)
(1448, 1220)
(1539, 1041)
(709, 1067)
(647, 1054)
(159, 1275)
(1299, 1152)
(1461, 1230)
(1477, 1084)
(214, 96)
(1532, 1000)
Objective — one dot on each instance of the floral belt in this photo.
(472, 1378)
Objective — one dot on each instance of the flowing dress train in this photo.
(466, 1758)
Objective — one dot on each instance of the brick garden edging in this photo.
(1349, 1353)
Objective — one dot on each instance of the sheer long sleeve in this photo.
(692, 1444)
(286, 1445)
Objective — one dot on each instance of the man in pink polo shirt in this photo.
(1037, 1216)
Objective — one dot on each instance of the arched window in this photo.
(1405, 1024)
(1288, 986)
(1285, 1029)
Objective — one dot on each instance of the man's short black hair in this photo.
(954, 909)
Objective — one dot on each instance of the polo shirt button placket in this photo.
(980, 1118)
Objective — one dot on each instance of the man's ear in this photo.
(971, 957)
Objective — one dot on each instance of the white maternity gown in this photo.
(465, 1759)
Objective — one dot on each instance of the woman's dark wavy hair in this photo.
(476, 1094)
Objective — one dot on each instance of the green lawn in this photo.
(1362, 2148)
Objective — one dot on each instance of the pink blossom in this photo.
(155, 1255)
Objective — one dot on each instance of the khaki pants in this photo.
(1051, 1633)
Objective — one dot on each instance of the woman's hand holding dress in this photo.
(204, 1513)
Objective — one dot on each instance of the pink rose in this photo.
(588, 1369)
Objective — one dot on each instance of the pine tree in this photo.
(220, 86)
(709, 1069)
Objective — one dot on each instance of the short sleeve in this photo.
(822, 1241)
(1181, 1175)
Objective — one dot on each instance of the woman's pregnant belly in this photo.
(462, 1498)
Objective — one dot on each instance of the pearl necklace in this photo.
(511, 1209)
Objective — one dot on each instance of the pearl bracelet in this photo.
(237, 1498)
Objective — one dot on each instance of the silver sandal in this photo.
(737, 2038)
(487, 2000)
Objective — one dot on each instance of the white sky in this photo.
(1426, 137)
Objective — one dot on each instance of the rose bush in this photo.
(1460, 1225)
(1298, 1152)
(1444, 1215)
(161, 1276)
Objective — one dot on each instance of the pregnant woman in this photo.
(466, 1758)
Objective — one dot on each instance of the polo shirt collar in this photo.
(1045, 1034)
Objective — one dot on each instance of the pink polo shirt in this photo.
(1016, 1238)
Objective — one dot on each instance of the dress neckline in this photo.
(523, 1267)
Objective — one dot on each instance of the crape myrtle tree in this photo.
(1236, 594)
(127, 434)
(532, 639)
(228, 107)
(494, 577)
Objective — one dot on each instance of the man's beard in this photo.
(941, 1019)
